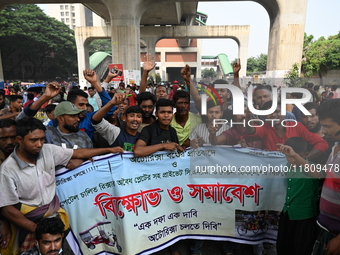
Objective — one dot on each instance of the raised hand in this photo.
(237, 66)
(186, 73)
(118, 98)
(149, 63)
(90, 75)
(52, 89)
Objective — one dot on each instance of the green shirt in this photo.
(301, 195)
(183, 133)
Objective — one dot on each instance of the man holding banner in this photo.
(328, 241)
(27, 178)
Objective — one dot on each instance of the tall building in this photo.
(75, 15)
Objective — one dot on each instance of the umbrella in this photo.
(36, 87)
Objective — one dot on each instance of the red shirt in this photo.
(234, 134)
(270, 137)
(132, 99)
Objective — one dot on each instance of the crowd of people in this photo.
(81, 123)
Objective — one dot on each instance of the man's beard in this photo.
(71, 128)
(2, 106)
(316, 128)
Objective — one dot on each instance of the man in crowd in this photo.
(94, 99)
(262, 94)
(124, 137)
(159, 135)
(183, 121)
(7, 144)
(75, 96)
(273, 132)
(328, 221)
(312, 123)
(146, 102)
(49, 236)
(36, 162)
(15, 105)
(67, 133)
(200, 134)
(7, 138)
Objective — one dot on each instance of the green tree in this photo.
(207, 73)
(321, 55)
(251, 64)
(293, 78)
(28, 37)
(100, 45)
(257, 64)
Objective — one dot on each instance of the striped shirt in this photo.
(201, 130)
(330, 197)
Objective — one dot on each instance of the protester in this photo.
(94, 99)
(274, 133)
(49, 236)
(159, 135)
(200, 134)
(32, 155)
(14, 108)
(328, 221)
(297, 219)
(146, 102)
(124, 137)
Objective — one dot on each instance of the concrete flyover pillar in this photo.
(84, 36)
(286, 37)
(125, 31)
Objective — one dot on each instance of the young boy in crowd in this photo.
(297, 225)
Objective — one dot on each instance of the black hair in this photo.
(316, 87)
(50, 108)
(310, 85)
(164, 102)
(297, 143)
(72, 95)
(51, 226)
(90, 105)
(133, 109)
(160, 86)
(181, 94)
(329, 109)
(263, 87)
(13, 98)
(7, 123)
(145, 96)
(30, 96)
(311, 105)
(219, 81)
(91, 88)
(26, 125)
(211, 103)
(334, 87)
